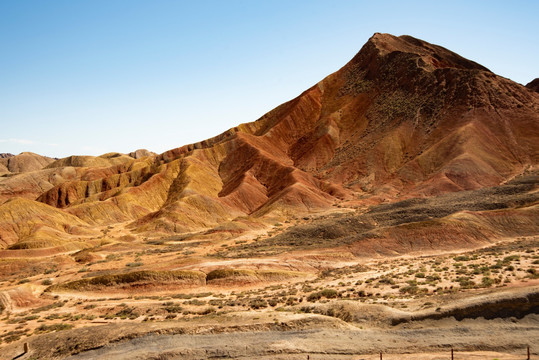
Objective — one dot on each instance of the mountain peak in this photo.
(432, 56)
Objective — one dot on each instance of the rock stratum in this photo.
(403, 119)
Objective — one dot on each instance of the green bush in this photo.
(327, 293)
(312, 297)
(410, 289)
(258, 303)
(173, 308)
(487, 282)
(465, 282)
(53, 327)
(508, 259)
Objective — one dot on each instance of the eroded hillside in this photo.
(395, 199)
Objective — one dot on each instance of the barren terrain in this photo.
(393, 207)
(316, 302)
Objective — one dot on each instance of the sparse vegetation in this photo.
(150, 277)
(53, 327)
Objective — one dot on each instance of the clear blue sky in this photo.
(90, 77)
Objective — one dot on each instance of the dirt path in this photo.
(505, 339)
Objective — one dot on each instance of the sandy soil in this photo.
(434, 337)
(335, 305)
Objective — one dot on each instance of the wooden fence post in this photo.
(528, 352)
(451, 353)
(26, 348)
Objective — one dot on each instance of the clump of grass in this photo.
(128, 312)
(326, 293)
(258, 303)
(54, 327)
(487, 282)
(134, 264)
(196, 302)
(508, 259)
(410, 289)
(532, 273)
(13, 335)
(50, 271)
(465, 282)
(48, 307)
(386, 281)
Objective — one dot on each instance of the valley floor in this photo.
(407, 307)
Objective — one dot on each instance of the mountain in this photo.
(403, 119)
(533, 85)
(24, 162)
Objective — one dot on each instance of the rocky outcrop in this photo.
(140, 153)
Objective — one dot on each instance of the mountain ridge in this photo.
(402, 118)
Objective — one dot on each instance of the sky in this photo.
(87, 77)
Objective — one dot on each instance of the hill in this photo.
(404, 118)
(394, 200)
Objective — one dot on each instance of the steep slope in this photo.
(403, 118)
(417, 117)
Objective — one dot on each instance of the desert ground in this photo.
(144, 299)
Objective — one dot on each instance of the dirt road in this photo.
(506, 339)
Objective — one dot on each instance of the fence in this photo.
(450, 354)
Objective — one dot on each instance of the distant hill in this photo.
(24, 162)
